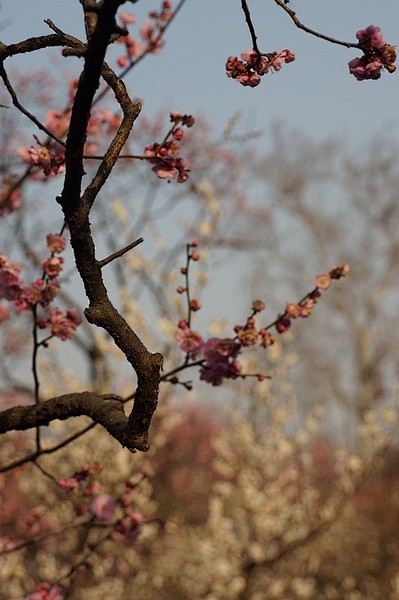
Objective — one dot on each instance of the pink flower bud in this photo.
(195, 304)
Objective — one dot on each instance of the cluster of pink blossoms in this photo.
(50, 158)
(40, 293)
(150, 34)
(168, 164)
(217, 357)
(377, 55)
(119, 510)
(253, 66)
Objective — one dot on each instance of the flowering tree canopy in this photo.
(89, 146)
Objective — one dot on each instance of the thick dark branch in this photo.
(105, 409)
(76, 208)
(88, 84)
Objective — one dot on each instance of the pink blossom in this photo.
(134, 48)
(127, 17)
(323, 282)
(50, 159)
(280, 58)
(122, 61)
(32, 294)
(40, 292)
(371, 37)
(103, 507)
(307, 308)
(214, 373)
(220, 360)
(166, 160)
(247, 336)
(50, 291)
(377, 55)
(189, 341)
(63, 325)
(68, 484)
(130, 526)
(283, 323)
(293, 310)
(249, 79)
(253, 66)
(363, 69)
(150, 35)
(178, 134)
(55, 243)
(267, 339)
(92, 489)
(217, 349)
(11, 286)
(53, 266)
(195, 304)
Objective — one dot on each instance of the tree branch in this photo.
(300, 25)
(104, 409)
(76, 207)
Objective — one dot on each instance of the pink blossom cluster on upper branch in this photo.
(253, 66)
(377, 55)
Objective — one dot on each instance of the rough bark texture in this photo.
(76, 204)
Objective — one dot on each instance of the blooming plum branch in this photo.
(254, 64)
(217, 358)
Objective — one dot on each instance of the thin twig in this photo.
(119, 253)
(245, 8)
(34, 455)
(300, 25)
(23, 110)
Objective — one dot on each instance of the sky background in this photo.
(315, 93)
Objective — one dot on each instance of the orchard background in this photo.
(194, 402)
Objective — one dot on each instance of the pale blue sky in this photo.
(315, 93)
